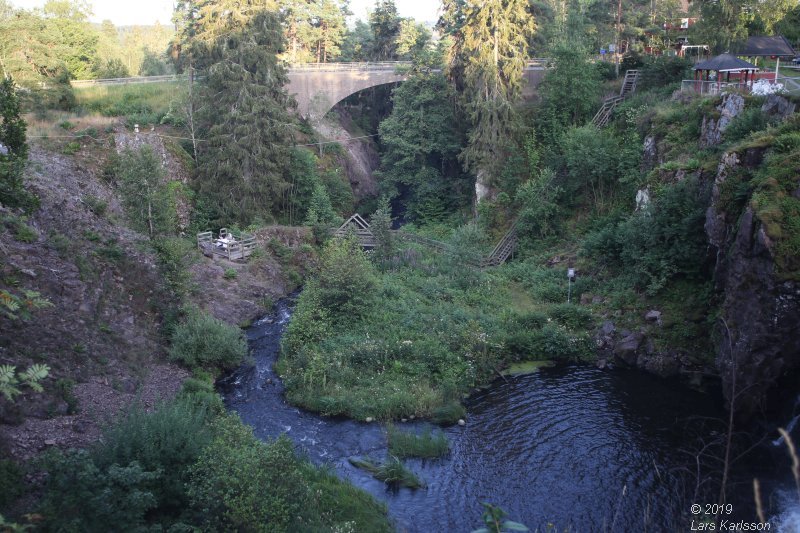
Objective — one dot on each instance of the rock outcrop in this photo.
(713, 127)
(759, 338)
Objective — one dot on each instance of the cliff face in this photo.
(759, 338)
(751, 225)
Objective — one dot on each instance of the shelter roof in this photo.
(725, 63)
(765, 46)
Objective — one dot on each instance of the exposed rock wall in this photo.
(758, 331)
(101, 336)
(714, 126)
(361, 158)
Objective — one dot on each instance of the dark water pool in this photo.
(574, 446)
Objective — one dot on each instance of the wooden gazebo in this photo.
(729, 71)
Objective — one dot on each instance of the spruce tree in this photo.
(243, 113)
(421, 141)
(385, 24)
(489, 51)
(13, 149)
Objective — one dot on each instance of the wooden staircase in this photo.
(359, 227)
(504, 249)
(603, 115)
(629, 83)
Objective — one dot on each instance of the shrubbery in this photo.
(651, 247)
(83, 496)
(659, 71)
(14, 150)
(167, 441)
(187, 468)
(175, 256)
(201, 340)
(242, 484)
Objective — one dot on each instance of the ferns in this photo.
(10, 380)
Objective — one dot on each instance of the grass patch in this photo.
(526, 367)
(21, 231)
(392, 472)
(146, 103)
(428, 444)
(418, 337)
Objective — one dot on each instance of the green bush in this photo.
(230, 273)
(167, 441)
(346, 281)
(71, 148)
(175, 256)
(596, 162)
(12, 482)
(185, 468)
(200, 393)
(12, 163)
(572, 316)
(658, 71)
(242, 484)
(81, 496)
(201, 340)
(650, 248)
(748, 121)
(21, 230)
(96, 205)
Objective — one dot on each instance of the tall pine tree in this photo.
(243, 113)
(489, 53)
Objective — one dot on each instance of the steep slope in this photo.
(101, 336)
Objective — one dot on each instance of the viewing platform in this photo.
(230, 245)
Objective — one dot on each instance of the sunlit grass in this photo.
(128, 99)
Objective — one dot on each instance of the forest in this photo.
(644, 318)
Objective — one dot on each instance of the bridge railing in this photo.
(539, 62)
(367, 65)
(134, 79)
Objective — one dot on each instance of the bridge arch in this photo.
(318, 87)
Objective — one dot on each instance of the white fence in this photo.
(713, 87)
(786, 85)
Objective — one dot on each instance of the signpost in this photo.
(570, 279)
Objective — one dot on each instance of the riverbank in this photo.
(571, 446)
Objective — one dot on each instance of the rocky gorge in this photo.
(756, 337)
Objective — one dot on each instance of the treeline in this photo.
(42, 49)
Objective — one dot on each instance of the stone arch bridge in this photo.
(318, 87)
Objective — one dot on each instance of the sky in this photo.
(145, 12)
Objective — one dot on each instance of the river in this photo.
(573, 446)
